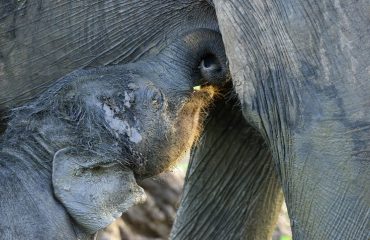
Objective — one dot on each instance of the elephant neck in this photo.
(26, 167)
(33, 154)
(25, 171)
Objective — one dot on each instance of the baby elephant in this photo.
(73, 155)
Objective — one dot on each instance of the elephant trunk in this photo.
(231, 163)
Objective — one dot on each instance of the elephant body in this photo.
(302, 78)
(74, 153)
(300, 70)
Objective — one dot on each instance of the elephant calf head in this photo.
(97, 130)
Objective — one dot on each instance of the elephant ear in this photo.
(94, 192)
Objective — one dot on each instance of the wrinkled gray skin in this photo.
(301, 73)
(300, 70)
(78, 149)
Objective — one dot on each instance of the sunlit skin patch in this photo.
(197, 88)
(198, 103)
(190, 123)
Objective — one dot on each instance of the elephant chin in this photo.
(183, 133)
(94, 195)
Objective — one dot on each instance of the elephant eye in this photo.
(211, 62)
(212, 70)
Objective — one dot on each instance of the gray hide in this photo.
(94, 132)
(301, 71)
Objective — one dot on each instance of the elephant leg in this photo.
(301, 70)
(231, 189)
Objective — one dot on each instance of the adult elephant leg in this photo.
(301, 70)
(231, 189)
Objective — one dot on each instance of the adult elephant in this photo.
(300, 70)
(301, 73)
